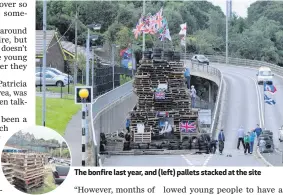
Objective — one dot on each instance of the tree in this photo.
(82, 64)
(64, 145)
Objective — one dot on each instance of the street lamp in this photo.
(93, 38)
(113, 62)
(94, 27)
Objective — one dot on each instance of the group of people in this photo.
(247, 140)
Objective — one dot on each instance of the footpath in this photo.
(73, 137)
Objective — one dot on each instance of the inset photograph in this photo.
(36, 160)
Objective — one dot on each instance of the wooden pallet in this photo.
(8, 171)
(142, 137)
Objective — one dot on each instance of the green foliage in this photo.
(124, 79)
(259, 36)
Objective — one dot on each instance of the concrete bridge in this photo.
(239, 102)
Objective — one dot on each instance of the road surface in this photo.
(244, 106)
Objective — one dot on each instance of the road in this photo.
(244, 106)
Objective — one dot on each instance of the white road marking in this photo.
(210, 156)
(261, 114)
(259, 101)
(207, 160)
(187, 160)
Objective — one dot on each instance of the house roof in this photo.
(69, 47)
(39, 40)
(50, 34)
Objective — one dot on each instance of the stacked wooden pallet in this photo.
(6, 157)
(8, 171)
(28, 170)
(176, 104)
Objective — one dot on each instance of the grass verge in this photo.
(48, 185)
(56, 89)
(58, 113)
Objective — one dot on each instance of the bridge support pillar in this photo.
(210, 92)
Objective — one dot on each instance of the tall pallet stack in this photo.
(6, 157)
(8, 171)
(177, 103)
(28, 170)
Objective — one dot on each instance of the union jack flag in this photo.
(160, 95)
(188, 126)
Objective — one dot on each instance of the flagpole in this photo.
(143, 34)
(185, 45)
(263, 106)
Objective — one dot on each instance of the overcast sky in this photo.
(238, 6)
(43, 132)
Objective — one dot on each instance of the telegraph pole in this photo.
(44, 63)
(76, 45)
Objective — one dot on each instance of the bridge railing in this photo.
(214, 75)
(242, 62)
(236, 62)
(109, 112)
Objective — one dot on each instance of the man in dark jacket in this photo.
(221, 139)
(213, 146)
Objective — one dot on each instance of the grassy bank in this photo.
(48, 185)
(58, 113)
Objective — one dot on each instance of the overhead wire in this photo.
(61, 36)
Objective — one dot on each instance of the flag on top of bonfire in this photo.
(153, 24)
(183, 33)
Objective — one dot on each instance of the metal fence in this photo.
(109, 113)
(214, 75)
(103, 82)
(242, 62)
(236, 62)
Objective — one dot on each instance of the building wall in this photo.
(54, 57)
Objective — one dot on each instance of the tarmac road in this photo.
(245, 107)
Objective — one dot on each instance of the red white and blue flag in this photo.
(160, 95)
(270, 88)
(188, 126)
(153, 24)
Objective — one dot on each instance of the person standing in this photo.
(213, 146)
(258, 130)
(221, 140)
(252, 139)
(188, 77)
(193, 96)
(247, 143)
(241, 134)
(128, 125)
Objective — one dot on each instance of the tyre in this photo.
(207, 63)
(59, 84)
